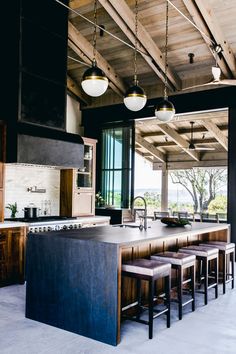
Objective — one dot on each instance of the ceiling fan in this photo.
(194, 147)
(216, 72)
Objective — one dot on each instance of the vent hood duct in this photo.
(29, 144)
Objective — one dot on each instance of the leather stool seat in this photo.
(147, 267)
(222, 246)
(181, 261)
(148, 270)
(201, 251)
(176, 258)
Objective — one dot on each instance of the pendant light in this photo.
(165, 110)
(94, 81)
(135, 97)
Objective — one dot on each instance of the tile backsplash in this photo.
(18, 178)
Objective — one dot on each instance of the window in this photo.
(117, 159)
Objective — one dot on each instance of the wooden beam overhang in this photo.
(76, 90)
(125, 19)
(84, 49)
(206, 21)
(217, 133)
(183, 131)
(181, 142)
(185, 165)
(150, 148)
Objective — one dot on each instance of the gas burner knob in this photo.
(31, 229)
(49, 228)
(71, 227)
(44, 229)
(35, 229)
(65, 227)
(40, 229)
(80, 226)
(75, 226)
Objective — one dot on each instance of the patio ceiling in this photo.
(166, 144)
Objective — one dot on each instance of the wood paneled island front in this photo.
(74, 276)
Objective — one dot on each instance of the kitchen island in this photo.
(74, 276)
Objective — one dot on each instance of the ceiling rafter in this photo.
(205, 19)
(125, 19)
(217, 133)
(150, 148)
(183, 131)
(73, 87)
(84, 49)
(196, 141)
(181, 142)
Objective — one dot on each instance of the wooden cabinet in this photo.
(77, 187)
(12, 255)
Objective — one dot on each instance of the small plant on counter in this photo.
(99, 199)
(13, 208)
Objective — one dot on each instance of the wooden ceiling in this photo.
(215, 17)
(167, 143)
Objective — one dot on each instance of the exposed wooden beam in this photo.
(150, 148)
(181, 142)
(183, 131)
(75, 4)
(193, 116)
(206, 21)
(184, 165)
(84, 49)
(196, 141)
(76, 90)
(217, 133)
(125, 19)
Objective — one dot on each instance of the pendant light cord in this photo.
(166, 50)
(95, 32)
(135, 43)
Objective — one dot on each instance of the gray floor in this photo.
(210, 329)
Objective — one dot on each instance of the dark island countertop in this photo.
(74, 276)
(123, 236)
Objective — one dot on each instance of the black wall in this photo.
(95, 119)
(34, 62)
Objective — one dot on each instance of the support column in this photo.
(164, 188)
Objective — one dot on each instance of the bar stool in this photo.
(180, 261)
(204, 255)
(225, 249)
(148, 270)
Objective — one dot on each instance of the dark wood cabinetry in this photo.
(12, 255)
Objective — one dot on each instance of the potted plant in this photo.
(13, 208)
(99, 200)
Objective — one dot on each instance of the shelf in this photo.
(88, 158)
(84, 173)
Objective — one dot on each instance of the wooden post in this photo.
(164, 188)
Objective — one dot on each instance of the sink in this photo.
(126, 225)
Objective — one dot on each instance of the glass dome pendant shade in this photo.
(135, 97)
(94, 81)
(165, 110)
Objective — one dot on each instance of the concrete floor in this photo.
(210, 329)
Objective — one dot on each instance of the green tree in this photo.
(218, 205)
(201, 184)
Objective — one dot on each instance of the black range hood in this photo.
(29, 144)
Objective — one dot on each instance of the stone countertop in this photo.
(129, 236)
(10, 224)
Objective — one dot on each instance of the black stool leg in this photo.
(180, 292)
(139, 297)
(150, 305)
(232, 266)
(205, 263)
(192, 274)
(224, 271)
(167, 291)
(216, 270)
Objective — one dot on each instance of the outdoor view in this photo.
(193, 190)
